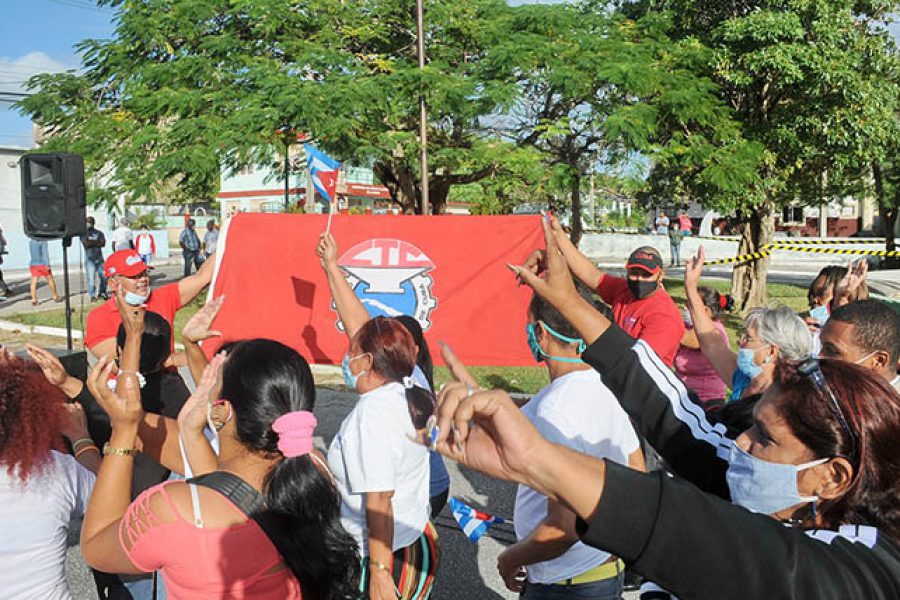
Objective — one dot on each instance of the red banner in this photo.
(449, 272)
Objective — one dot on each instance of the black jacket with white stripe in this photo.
(684, 534)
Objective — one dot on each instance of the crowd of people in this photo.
(654, 448)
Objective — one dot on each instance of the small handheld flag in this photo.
(473, 523)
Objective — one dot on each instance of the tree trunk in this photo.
(403, 185)
(575, 192)
(438, 191)
(748, 280)
(887, 208)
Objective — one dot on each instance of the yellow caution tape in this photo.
(740, 259)
(802, 242)
(844, 251)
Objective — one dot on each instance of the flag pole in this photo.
(423, 112)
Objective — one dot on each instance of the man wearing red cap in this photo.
(640, 303)
(125, 268)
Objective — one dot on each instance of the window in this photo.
(792, 214)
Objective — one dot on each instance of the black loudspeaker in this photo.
(75, 362)
(53, 195)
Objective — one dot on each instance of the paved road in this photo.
(467, 570)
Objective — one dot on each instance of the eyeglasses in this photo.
(745, 339)
(813, 371)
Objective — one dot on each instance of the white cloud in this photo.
(15, 71)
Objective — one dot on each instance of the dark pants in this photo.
(191, 256)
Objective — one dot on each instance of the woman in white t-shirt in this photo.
(383, 477)
(42, 488)
(381, 473)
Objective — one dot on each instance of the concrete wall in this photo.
(19, 257)
(617, 246)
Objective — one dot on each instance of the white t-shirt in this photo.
(121, 237)
(373, 453)
(34, 522)
(144, 243)
(577, 411)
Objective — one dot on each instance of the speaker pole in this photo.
(66, 242)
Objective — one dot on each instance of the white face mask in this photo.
(762, 486)
(865, 358)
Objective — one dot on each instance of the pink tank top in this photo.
(208, 562)
(697, 374)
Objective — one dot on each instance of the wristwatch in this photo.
(107, 450)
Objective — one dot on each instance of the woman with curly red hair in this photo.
(41, 487)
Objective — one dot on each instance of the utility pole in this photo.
(423, 112)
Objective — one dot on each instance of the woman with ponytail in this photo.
(382, 475)
(206, 541)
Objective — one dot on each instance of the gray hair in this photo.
(782, 328)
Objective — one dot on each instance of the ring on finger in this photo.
(470, 389)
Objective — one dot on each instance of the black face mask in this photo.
(641, 289)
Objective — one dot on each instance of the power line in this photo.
(84, 5)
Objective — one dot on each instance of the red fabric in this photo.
(655, 319)
(103, 322)
(275, 287)
(39, 271)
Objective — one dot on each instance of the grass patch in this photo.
(512, 379)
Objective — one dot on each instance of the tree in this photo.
(188, 87)
(806, 82)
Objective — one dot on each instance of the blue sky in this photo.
(39, 36)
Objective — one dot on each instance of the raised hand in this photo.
(74, 425)
(123, 405)
(198, 326)
(846, 288)
(487, 431)
(693, 268)
(192, 417)
(132, 316)
(50, 366)
(457, 369)
(555, 285)
(327, 250)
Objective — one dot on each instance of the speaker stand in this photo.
(66, 242)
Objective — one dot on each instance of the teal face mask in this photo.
(538, 352)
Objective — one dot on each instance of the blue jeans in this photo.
(676, 253)
(94, 268)
(191, 256)
(606, 589)
(146, 258)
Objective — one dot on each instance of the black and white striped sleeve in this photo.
(662, 409)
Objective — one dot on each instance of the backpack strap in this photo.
(235, 489)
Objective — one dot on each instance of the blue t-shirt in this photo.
(439, 479)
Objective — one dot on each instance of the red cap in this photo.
(646, 260)
(125, 262)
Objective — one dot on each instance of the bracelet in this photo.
(86, 449)
(107, 450)
(81, 441)
(381, 566)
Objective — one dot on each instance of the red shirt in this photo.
(103, 322)
(655, 319)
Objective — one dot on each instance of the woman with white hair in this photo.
(770, 335)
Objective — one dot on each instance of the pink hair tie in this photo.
(295, 433)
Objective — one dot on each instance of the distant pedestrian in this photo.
(190, 247)
(39, 266)
(675, 238)
(661, 224)
(145, 245)
(94, 241)
(4, 289)
(210, 239)
(123, 238)
(684, 223)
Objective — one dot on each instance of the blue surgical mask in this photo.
(135, 299)
(349, 378)
(820, 314)
(762, 486)
(538, 352)
(746, 363)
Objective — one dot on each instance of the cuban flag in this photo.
(323, 170)
(474, 523)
